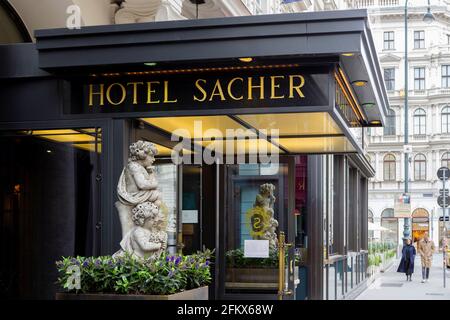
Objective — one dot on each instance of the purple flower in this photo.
(170, 274)
(167, 259)
(196, 266)
(207, 263)
(172, 258)
(177, 261)
(97, 262)
(74, 261)
(85, 263)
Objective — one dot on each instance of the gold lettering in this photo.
(197, 85)
(274, 86)
(92, 93)
(230, 93)
(151, 91)
(251, 87)
(217, 87)
(296, 88)
(135, 95)
(108, 94)
(166, 93)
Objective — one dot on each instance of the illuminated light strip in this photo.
(345, 89)
(347, 97)
(134, 73)
(354, 100)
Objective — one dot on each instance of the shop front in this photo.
(249, 115)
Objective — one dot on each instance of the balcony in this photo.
(359, 4)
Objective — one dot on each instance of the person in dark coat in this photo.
(407, 262)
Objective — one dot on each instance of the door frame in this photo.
(226, 205)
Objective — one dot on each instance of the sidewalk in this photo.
(392, 285)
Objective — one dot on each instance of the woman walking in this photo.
(407, 262)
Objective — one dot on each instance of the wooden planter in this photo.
(194, 294)
(249, 275)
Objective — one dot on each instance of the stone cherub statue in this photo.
(140, 206)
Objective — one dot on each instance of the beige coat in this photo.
(426, 249)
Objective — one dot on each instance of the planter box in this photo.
(194, 294)
(249, 275)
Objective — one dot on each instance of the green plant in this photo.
(128, 275)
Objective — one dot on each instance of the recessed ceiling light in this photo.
(375, 122)
(348, 54)
(360, 83)
(49, 151)
(150, 64)
(247, 59)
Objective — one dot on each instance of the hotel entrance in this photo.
(259, 159)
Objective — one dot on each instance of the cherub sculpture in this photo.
(140, 204)
(265, 198)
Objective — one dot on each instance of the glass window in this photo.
(445, 120)
(167, 184)
(445, 73)
(420, 164)
(370, 220)
(389, 78)
(420, 118)
(419, 39)
(389, 128)
(419, 78)
(389, 222)
(445, 161)
(389, 167)
(49, 205)
(388, 40)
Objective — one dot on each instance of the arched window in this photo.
(389, 128)
(370, 220)
(420, 167)
(445, 161)
(420, 118)
(370, 216)
(445, 120)
(420, 223)
(389, 167)
(389, 222)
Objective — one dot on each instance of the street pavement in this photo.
(392, 285)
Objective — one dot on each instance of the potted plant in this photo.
(129, 278)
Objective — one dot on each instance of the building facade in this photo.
(66, 103)
(428, 117)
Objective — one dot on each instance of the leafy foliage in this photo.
(380, 252)
(128, 275)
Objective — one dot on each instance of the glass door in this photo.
(259, 208)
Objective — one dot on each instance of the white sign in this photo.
(256, 248)
(189, 216)
(402, 206)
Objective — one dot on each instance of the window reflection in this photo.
(49, 205)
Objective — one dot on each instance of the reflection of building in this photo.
(67, 106)
(429, 112)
